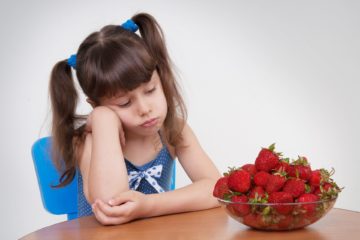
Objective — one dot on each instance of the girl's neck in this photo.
(139, 139)
(141, 149)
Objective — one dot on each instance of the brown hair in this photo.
(110, 60)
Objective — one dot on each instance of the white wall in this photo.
(253, 73)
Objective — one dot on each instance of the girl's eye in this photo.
(126, 104)
(151, 90)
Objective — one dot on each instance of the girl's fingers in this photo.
(104, 219)
(124, 197)
(113, 211)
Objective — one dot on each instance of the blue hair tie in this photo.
(130, 25)
(72, 61)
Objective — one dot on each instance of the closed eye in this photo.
(151, 90)
(123, 105)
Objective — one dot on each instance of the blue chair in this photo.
(58, 200)
(55, 200)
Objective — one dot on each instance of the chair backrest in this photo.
(58, 200)
(55, 200)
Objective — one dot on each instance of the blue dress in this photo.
(152, 177)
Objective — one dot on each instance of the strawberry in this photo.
(239, 181)
(275, 183)
(267, 159)
(299, 171)
(283, 165)
(310, 188)
(317, 192)
(281, 197)
(300, 168)
(295, 187)
(285, 221)
(307, 198)
(261, 178)
(257, 193)
(239, 207)
(328, 190)
(315, 178)
(250, 168)
(320, 176)
(221, 187)
(251, 220)
(263, 221)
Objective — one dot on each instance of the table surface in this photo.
(207, 224)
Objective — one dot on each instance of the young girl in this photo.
(125, 150)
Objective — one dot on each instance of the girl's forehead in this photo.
(153, 79)
(123, 93)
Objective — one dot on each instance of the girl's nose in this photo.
(143, 107)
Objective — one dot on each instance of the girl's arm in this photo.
(102, 163)
(201, 171)
(196, 196)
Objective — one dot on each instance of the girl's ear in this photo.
(91, 102)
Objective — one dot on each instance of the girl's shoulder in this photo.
(82, 147)
(187, 139)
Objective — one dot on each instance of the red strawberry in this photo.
(263, 221)
(251, 220)
(283, 165)
(275, 183)
(328, 190)
(239, 207)
(250, 168)
(300, 168)
(310, 188)
(281, 197)
(239, 181)
(320, 176)
(317, 192)
(257, 193)
(295, 187)
(315, 178)
(285, 221)
(261, 178)
(221, 187)
(327, 187)
(306, 198)
(267, 159)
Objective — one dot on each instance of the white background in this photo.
(252, 72)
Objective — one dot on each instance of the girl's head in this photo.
(119, 67)
(143, 110)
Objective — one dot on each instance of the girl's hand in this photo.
(107, 112)
(128, 206)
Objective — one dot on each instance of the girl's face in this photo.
(142, 111)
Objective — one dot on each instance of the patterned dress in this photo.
(152, 177)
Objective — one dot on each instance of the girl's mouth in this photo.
(149, 123)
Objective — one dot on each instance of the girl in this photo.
(126, 148)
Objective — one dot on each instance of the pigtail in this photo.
(153, 38)
(64, 99)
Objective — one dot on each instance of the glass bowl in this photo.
(277, 216)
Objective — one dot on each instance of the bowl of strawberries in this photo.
(275, 193)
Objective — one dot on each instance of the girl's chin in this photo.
(144, 132)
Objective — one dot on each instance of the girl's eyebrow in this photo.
(118, 96)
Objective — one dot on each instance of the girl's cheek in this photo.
(126, 120)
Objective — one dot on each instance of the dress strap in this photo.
(161, 138)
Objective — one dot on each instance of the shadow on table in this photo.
(305, 233)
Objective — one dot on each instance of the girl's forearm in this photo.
(196, 196)
(107, 174)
